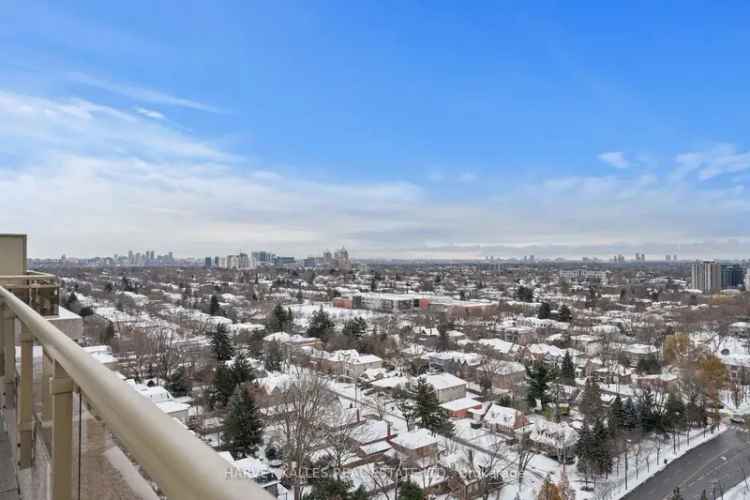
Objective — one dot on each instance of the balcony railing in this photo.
(180, 464)
(38, 290)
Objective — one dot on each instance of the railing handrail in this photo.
(39, 279)
(183, 466)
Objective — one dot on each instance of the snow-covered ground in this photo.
(739, 492)
(303, 312)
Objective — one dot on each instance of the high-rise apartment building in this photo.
(706, 276)
(732, 276)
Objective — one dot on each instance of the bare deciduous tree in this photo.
(303, 408)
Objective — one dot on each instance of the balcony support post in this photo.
(9, 347)
(61, 389)
(47, 367)
(25, 417)
(2, 339)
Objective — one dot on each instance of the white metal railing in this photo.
(182, 465)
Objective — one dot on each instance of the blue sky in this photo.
(404, 129)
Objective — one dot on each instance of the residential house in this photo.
(418, 447)
(447, 387)
(503, 419)
(553, 439)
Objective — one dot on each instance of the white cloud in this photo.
(86, 179)
(614, 159)
(141, 93)
(150, 113)
(716, 161)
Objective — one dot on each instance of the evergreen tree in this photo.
(616, 417)
(72, 301)
(177, 383)
(223, 386)
(631, 415)
(649, 418)
(564, 314)
(585, 451)
(410, 491)
(321, 325)
(674, 412)
(273, 358)
(545, 311)
(330, 488)
(243, 428)
(355, 327)
(648, 365)
(428, 412)
(214, 309)
(525, 294)
(444, 341)
(591, 400)
(221, 345)
(537, 380)
(602, 452)
(567, 369)
(279, 320)
(241, 369)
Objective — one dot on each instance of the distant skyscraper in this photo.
(244, 261)
(732, 276)
(342, 259)
(262, 258)
(706, 276)
(208, 262)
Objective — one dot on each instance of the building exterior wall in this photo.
(463, 412)
(451, 393)
(357, 369)
(12, 254)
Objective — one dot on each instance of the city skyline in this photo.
(590, 134)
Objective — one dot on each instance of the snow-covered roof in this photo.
(440, 381)
(101, 353)
(553, 434)
(418, 438)
(502, 415)
(461, 404)
(390, 382)
(371, 430)
(500, 345)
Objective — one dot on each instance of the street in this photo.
(716, 465)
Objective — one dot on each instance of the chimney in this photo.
(388, 429)
(357, 415)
